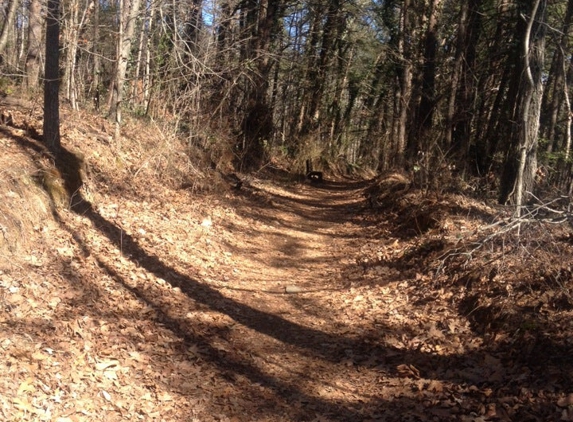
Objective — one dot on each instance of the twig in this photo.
(507, 225)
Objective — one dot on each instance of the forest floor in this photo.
(280, 301)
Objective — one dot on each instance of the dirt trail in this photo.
(278, 355)
(196, 289)
(368, 337)
(301, 345)
(297, 237)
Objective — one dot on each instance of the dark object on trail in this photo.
(313, 176)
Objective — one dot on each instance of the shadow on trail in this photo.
(305, 340)
(292, 218)
(342, 186)
(333, 202)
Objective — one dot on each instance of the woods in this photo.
(479, 89)
(291, 210)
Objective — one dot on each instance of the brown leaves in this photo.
(408, 371)
(171, 306)
(565, 401)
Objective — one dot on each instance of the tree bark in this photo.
(426, 107)
(309, 71)
(129, 10)
(533, 45)
(193, 24)
(405, 93)
(556, 80)
(75, 30)
(51, 126)
(319, 72)
(147, 65)
(257, 125)
(95, 88)
(34, 44)
(463, 88)
(8, 24)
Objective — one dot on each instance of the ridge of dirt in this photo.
(275, 302)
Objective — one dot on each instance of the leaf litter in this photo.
(278, 302)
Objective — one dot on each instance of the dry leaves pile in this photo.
(273, 303)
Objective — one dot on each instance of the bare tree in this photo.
(34, 44)
(96, 57)
(426, 107)
(553, 98)
(463, 85)
(13, 6)
(404, 94)
(128, 12)
(76, 27)
(52, 79)
(529, 107)
(260, 18)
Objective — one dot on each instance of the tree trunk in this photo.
(567, 149)
(425, 112)
(309, 72)
(51, 127)
(319, 72)
(8, 24)
(129, 10)
(375, 107)
(136, 80)
(463, 88)
(556, 80)
(404, 95)
(501, 136)
(34, 44)
(147, 67)
(75, 30)
(193, 24)
(533, 45)
(95, 88)
(257, 125)
(70, 37)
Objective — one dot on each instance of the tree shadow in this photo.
(336, 203)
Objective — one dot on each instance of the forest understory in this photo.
(147, 296)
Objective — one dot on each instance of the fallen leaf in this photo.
(23, 404)
(164, 397)
(436, 386)
(26, 386)
(408, 371)
(38, 355)
(565, 401)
